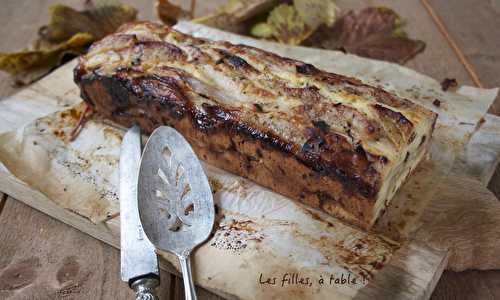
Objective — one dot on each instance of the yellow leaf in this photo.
(316, 12)
(292, 24)
(288, 26)
(262, 30)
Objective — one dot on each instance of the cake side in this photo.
(321, 138)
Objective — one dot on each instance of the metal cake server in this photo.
(139, 264)
(175, 201)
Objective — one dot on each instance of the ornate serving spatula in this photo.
(175, 201)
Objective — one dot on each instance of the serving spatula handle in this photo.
(189, 291)
(145, 288)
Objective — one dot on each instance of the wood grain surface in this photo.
(475, 27)
(50, 260)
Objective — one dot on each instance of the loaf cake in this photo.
(326, 140)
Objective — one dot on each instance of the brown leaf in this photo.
(68, 34)
(242, 10)
(236, 15)
(373, 32)
(99, 20)
(169, 13)
(29, 65)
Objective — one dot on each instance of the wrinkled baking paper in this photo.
(258, 231)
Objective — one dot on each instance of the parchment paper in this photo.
(258, 231)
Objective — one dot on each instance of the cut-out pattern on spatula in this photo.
(173, 192)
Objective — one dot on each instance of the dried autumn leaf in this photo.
(292, 24)
(262, 30)
(287, 25)
(29, 65)
(316, 12)
(169, 13)
(99, 20)
(68, 34)
(373, 32)
(236, 15)
(242, 10)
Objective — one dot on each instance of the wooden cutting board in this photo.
(411, 273)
